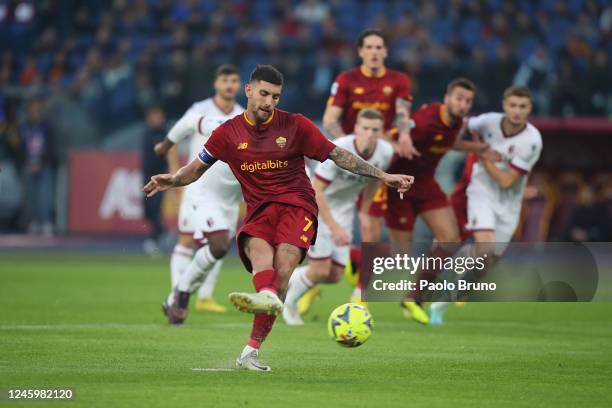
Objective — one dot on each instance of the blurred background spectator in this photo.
(39, 165)
(152, 164)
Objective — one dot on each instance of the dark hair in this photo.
(517, 90)
(267, 73)
(226, 69)
(460, 83)
(369, 32)
(368, 113)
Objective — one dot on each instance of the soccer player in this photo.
(494, 194)
(218, 193)
(265, 149)
(371, 85)
(437, 126)
(336, 191)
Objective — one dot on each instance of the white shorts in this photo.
(202, 216)
(485, 214)
(325, 248)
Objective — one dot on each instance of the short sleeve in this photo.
(403, 87)
(338, 95)
(216, 146)
(185, 127)
(477, 123)
(326, 171)
(527, 156)
(314, 144)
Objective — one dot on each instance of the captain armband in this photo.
(206, 158)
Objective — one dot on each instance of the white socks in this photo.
(197, 270)
(298, 285)
(206, 290)
(181, 257)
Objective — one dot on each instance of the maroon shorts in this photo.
(427, 195)
(379, 202)
(278, 223)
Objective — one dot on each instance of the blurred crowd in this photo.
(567, 207)
(128, 53)
(100, 64)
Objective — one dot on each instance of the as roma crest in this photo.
(387, 90)
(281, 141)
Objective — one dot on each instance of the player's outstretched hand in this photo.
(158, 183)
(400, 182)
(406, 148)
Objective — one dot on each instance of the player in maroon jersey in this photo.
(371, 85)
(435, 132)
(265, 149)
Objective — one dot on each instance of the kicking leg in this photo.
(266, 278)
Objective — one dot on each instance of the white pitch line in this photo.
(118, 326)
(212, 369)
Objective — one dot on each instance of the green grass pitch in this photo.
(92, 323)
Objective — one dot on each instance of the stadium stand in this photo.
(99, 63)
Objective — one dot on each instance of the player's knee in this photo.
(219, 248)
(321, 274)
(284, 271)
(335, 275)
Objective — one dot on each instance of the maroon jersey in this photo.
(268, 160)
(355, 90)
(432, 138)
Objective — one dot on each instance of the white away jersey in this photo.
(344, 186)
(520, 152)
(198, 123)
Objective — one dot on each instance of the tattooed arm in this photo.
(403, 123)
(348, 161)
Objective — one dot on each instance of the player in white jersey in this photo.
(495, 190)
(336, 193)
(209, 207)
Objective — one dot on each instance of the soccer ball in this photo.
(350, 325)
